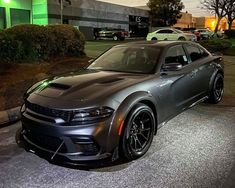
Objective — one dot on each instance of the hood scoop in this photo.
(110, 80)
(59, 86)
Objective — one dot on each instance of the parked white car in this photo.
(170, 34)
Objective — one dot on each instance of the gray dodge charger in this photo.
(113, 108)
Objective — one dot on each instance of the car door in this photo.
(177, 84)
(200, 63)
(172, 35)
(162, 34)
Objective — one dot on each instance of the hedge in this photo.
(216, 45)
(40, 42)
(230, 33)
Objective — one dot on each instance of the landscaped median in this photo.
(10, 115)
(224, 46)
(34, 42)
(17, 78)
(30, 53)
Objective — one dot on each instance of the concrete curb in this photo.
(10, 115)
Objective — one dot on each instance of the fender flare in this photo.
(121, 113)
(218, 69)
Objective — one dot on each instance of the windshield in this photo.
(127, 59)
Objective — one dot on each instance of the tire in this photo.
(182, 39)
(154, 39)
(137, 136)
(115, 38)
(217, 89)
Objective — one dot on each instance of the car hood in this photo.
(88, 85)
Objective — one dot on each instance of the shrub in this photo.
(10, 49)
(216, 45)
(230, 33)
(230, 51)
(31, 37)
(67, 40)
(40, 42)
(79, 43)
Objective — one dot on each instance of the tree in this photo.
(166, 12)
(230, 11)
(216, 7)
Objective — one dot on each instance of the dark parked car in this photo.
(111, 33)
(115, 106)
(205, 34)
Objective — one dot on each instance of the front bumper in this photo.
(72, 144)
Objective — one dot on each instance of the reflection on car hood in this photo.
(89, 85)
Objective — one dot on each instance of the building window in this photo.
(19, 16)
(138, 26)
(2, 18)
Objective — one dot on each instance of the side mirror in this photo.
(172, 67)
(90, 61)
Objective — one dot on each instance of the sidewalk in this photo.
(10, 115)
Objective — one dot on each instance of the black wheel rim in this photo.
(140, 131)
(218, 88)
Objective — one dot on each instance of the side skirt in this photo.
(192, 105)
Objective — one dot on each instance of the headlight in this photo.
(93, 114)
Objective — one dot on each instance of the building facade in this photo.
(88, 15)
(15, 12)
(210, 22)
(84, 14)
(186, 21)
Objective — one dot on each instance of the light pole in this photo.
(61, 11)
(62, 5)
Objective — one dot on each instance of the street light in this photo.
(7, 1)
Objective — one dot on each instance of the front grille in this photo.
(47, 142)
(65, 115)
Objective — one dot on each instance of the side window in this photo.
(165, 31)
(203, 52)
(160, 31)
(176, 54)
(194, 52)
(168, 31)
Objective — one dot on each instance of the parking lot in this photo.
(195, 149)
